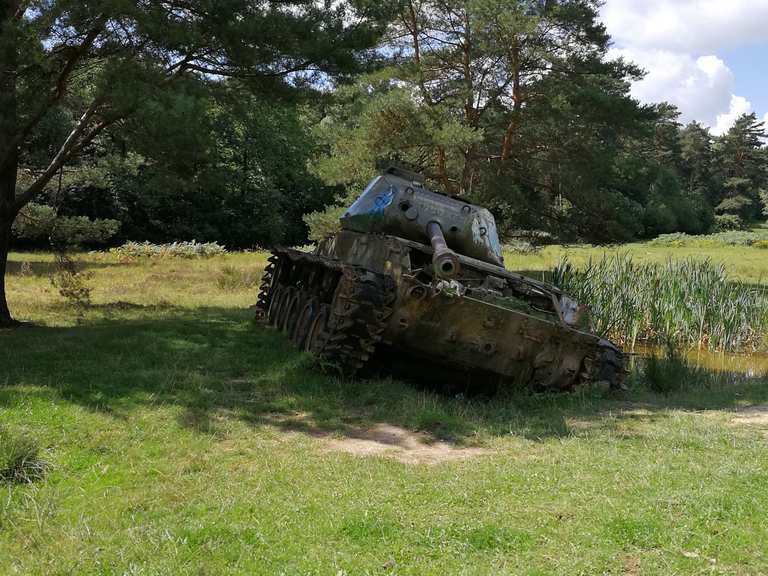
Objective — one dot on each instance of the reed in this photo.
(681, 303)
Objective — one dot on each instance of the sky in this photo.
(708, 57)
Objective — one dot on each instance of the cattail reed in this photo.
(681, 303)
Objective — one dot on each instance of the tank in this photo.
(418, 274)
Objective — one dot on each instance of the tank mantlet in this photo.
(397, 205)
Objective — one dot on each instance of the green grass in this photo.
(180, 438)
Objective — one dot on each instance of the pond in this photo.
(748, 365)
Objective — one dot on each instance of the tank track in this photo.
(335, 311)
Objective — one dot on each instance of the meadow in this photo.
(165, 432)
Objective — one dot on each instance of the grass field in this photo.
(180, 438)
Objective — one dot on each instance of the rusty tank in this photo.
(423, 273)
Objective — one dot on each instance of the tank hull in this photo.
(474, 335)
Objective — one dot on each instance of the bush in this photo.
(72, 282)
(20, 460)
(732, 238)
(176, 250)
(324, 224)
(725, 222)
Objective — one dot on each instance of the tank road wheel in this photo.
(317, 335)
(275, 304)
(309, 310)
(291, 310)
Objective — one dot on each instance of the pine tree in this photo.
(743, 171)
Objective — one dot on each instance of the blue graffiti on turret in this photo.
(382, 201)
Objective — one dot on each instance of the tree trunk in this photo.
(8, 176)
(517, 96)
(6, 320)
(9, 154)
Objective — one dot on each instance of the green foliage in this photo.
(727, 222)
(191, 249)
(729, 238)
(743, 168)
(325, 223)
(568, 152)
(241, 181)
(72, 283)
(38, 222)
(686, 303)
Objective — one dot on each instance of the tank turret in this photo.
(398, 204)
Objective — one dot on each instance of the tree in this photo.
(697, 168)
(98, 63)
(512, 102)
(743, 170)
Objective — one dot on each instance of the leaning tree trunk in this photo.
(6, 320)
(8, 175)
(8, 141)
(7, 216)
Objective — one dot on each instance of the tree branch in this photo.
(78, 138)
(57, 93)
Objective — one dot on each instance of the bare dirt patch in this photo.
(752, 415)
(386, 440)
(403, 445)
(631, 566)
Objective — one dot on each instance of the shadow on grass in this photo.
(214, 362)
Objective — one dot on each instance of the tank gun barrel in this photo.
(445, 260)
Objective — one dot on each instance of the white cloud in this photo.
(699, 26)
(675, 41)
(702, 88)
(739, 106)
